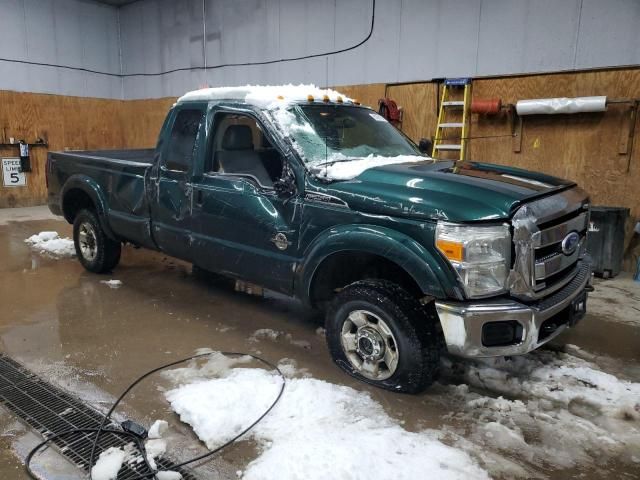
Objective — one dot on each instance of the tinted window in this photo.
(183, 140)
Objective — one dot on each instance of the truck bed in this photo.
(120, 176)
(133, 157)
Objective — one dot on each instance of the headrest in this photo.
(237, 137)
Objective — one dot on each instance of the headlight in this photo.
(480, 254)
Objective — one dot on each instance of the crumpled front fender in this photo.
(397, 247)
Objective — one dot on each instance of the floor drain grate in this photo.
(50, 411)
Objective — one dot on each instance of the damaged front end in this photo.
(546, 287)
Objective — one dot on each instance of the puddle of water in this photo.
(95, 340)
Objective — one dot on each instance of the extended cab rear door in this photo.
(178, 150)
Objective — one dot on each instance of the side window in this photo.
(241, 148)
(183, 140)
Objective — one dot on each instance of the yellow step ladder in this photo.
(452, 116)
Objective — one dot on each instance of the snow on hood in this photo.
(339, 167)
(265, 96)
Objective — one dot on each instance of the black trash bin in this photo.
(605, 239)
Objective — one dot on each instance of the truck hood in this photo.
(439, 191)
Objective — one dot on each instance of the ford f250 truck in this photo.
(305, 192)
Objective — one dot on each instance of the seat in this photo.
(238, 156)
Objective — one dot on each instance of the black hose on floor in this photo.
(131, 436)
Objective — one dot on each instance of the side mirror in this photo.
(284, 187)
(425, 145)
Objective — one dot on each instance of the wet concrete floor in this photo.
(62, 322)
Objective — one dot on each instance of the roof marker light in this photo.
(325, 99)
(339, 99)
(310, 98)
(280, 97)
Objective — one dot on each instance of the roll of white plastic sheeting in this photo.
(548, 106)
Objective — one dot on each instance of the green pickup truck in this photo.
(305, 192)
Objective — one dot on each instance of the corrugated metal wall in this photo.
(413, 40)
(77, 33)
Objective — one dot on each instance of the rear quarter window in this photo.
(183, 140)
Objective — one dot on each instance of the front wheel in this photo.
(97, 252)
(378, 333)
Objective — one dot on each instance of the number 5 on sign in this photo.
(11, 174)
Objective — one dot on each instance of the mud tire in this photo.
(107, 251)
(413, 326)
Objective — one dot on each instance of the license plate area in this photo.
(578, 308)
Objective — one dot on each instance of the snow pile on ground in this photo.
(110, 461)
(289, 368)
(276, 335)
(158, 429)
(340, 167)
(318, 430)
(554, 410)
(112, 283)
(51, 243)
(154, 448)
(168, 475)
(215, 364)
(264, 95)
(108, 464)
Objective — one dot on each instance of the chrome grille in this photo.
(549, 265)
(540, 266)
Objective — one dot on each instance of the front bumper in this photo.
(463, 322)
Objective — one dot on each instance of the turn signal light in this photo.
(451, 250)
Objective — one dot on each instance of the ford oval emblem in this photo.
(570, 243)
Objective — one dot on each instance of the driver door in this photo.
(241, 226)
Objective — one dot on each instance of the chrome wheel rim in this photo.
(369, 345)
(87, 241)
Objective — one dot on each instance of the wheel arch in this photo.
(363, 247)
(81, 191)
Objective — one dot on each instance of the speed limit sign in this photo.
(11, 174)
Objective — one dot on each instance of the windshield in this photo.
(333, 133)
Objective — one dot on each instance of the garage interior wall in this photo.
(412, 40)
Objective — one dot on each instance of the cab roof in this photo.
(268, 96)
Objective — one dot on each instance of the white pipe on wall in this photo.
(561, 105)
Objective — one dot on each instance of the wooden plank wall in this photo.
(141, 121)
(581, 147)
(67, 122)
(71, 123)
(419, 102)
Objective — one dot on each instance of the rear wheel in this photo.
(97, 252)
(378, 333)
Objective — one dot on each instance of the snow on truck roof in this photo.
(269, 96)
